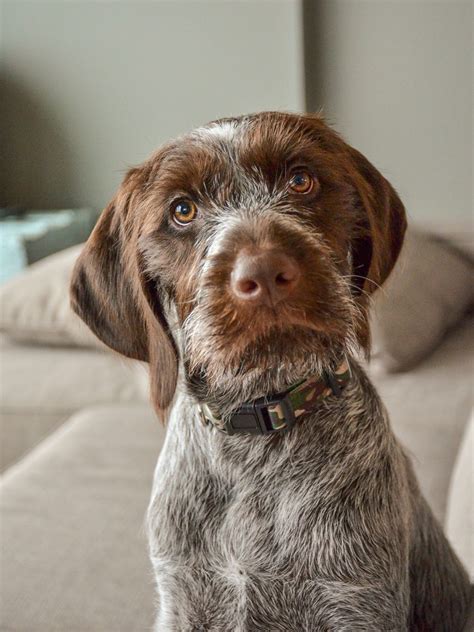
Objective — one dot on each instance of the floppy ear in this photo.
(112, 294)
(380, 223)
(381, 226)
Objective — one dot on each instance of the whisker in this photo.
(358, 276)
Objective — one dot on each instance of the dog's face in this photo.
(246, 250)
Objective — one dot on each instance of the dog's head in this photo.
(246, 252)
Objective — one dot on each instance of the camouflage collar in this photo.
(279, 412)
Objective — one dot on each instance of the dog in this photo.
(238, 262)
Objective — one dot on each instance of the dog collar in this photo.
(279, 412)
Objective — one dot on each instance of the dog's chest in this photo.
(249, 523)
(234, 543)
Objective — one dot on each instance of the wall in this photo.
(92, 87)
(396, 79)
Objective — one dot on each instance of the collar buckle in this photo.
(263, 416)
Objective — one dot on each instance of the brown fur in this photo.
(353, 206)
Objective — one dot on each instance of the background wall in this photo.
(395, 77)
(92, 87)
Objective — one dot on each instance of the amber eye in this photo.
(184, 212)
(301, 182)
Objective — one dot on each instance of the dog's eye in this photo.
(184, 211)
(301, 182)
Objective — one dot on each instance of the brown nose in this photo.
(265, 277)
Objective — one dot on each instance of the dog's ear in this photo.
(112, 294)
(380, 221)
(102, 290)
(381, 225)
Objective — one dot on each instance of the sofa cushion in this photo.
(34, 305)
(73, 552)
(429, 408)
(428, 292)
(21, 432)
(42, 386)
(54, 379)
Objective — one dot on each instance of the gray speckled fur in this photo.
(322, 528)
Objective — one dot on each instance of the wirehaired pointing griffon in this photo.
(238, 262)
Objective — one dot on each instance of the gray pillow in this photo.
(427, 293)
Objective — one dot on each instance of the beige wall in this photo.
(396, 78)
(91, 87)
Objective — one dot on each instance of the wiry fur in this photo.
(321, 528)
(312, 530)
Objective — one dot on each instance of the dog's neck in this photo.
(336, 423)
(313, 376)
(279, 412)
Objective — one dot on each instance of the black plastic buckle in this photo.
(254, 418)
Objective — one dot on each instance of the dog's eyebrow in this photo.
(281, 152)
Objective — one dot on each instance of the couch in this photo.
(79, 438)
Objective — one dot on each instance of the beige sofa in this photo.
(79, 440)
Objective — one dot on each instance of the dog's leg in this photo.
(439, 584)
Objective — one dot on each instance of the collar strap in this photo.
(276, 413)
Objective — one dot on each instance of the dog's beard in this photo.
(260, 359)
(233, 352)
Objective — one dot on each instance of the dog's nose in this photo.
(264, 277)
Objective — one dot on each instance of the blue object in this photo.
(33, 235)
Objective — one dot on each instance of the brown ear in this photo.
(113, 296)
(381, 226)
